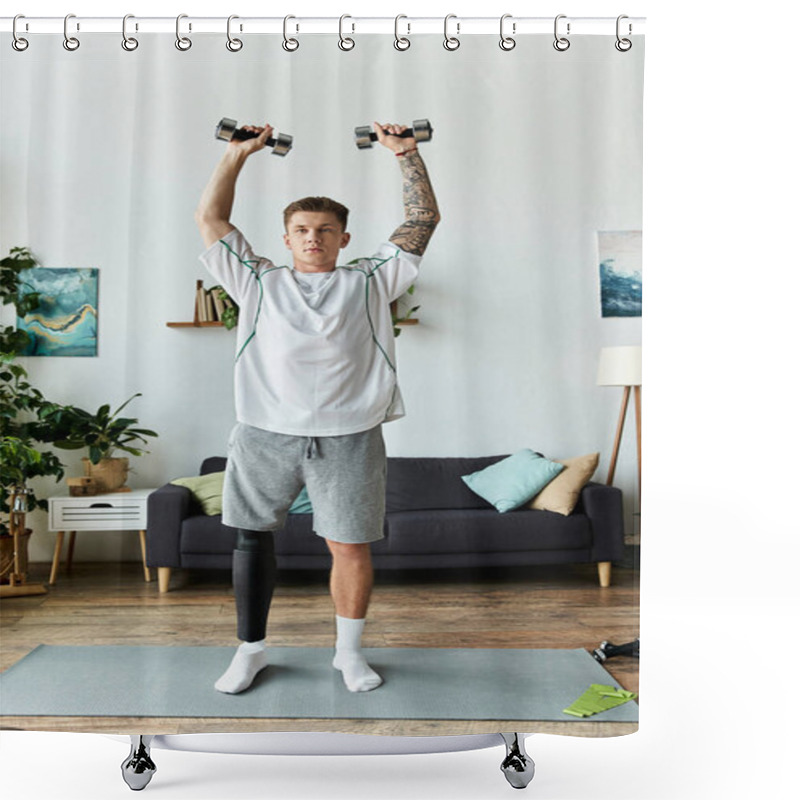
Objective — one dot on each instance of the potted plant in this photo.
(406, 318)
(22, 432)
(20, 461)
(103, 433)
(230, 312)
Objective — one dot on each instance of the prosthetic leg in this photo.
(255, 571)
(254, 574)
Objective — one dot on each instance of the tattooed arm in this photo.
(419, 201)
(216, 203)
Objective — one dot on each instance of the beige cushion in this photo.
(562, 493)
(207, 489)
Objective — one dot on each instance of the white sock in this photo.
(358, 675)
(250, 658)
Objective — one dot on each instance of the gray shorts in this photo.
(345, 477)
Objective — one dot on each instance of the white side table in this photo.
(119, 511)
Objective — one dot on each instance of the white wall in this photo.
(533, 152)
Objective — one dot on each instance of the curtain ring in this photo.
(70, 42)
(400, 42)
(18, 43)
(234, 45)
(182, 42)
(289, 45)
(561, 43)
(345, 42)
(623, 45)
(128, 42)
(507, 42)
(451, 42)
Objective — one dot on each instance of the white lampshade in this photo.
(620, 366)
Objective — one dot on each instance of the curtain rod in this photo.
(404, 25)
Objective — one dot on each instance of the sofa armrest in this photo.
(167, 508)
(603, 505)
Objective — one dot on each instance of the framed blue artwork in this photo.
(65, 324)
(620, 255)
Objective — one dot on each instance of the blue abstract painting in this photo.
(65, 324)
(620, 254)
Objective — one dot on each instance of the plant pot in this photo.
(109, 474)
(7, 555)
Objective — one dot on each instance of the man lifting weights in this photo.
(314, 381)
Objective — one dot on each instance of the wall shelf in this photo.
(393, 308)
(195, 325)
(220, 325)
(208, 309)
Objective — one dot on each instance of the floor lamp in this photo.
(622, 366)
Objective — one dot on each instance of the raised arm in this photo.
(419, 201)
(216, 203)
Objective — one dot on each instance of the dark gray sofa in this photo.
(433, 520)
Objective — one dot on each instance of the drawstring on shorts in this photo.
(312, 449)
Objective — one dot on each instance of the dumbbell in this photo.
(227, 130)
(608, 650)
(420, 131)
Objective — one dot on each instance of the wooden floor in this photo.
(532, 607)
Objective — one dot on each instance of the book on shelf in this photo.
(211, 305)
(210, 314)
(200, 312)
(219, 303)
(207, 304)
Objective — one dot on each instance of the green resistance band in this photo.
(598, 697)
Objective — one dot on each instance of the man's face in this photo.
(315, 238)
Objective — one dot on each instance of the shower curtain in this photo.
(535, 160)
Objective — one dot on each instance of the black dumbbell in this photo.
(227, 130)
(420, 131)
(608, 650)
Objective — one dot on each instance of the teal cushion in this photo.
(302, 504)
(510, 483)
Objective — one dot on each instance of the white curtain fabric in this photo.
(533, 152)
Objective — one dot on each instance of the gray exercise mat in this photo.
(419, 683)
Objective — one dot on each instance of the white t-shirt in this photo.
(315, 359)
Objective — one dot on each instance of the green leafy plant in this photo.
(397, 318)
(102, 432)
(21, 461)
(12, 341)
(18, 260)
(230, 315)
(22, 430)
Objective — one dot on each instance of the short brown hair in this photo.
(316, 204)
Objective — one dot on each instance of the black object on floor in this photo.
(608, 650)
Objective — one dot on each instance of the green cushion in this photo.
(207, 490)
(514, 480)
